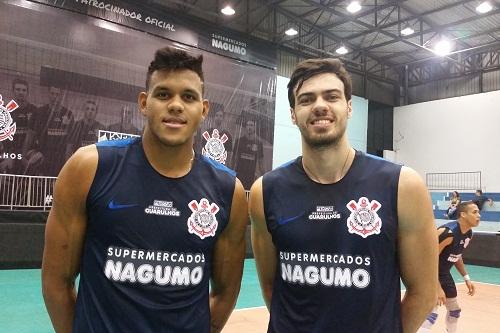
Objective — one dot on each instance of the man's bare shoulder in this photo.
(414, 202)
(410, 178)
(84, 159)
(79, 171)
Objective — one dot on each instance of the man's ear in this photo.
(142, 101)
(206, 108)
(349, 109)
(292, 115)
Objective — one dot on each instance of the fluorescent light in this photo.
(291, 32)
(228, 10)
(342, 50)
(407, 31)
(484, 7)
(354, 7)
(443, 47)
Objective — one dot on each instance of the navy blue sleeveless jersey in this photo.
(453, 252)
(337, 266)
(147, 254)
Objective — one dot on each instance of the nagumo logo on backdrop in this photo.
(229, 44)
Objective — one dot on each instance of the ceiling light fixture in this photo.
(484, 7)
(291, 32)
(443, 47)
(228, 10)
(407, 31)
(353, 7)
(342, 50)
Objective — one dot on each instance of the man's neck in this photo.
(327, 165)
(170, 161)
(464, 228)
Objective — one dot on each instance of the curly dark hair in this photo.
(312, 67)
(170, 59)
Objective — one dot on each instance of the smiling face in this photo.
(173, 106)
(321, 110)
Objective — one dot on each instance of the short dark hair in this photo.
(462, 207)
(479, 191)
(312, 67)
(19, 80)
(89, 101)
(170, 59)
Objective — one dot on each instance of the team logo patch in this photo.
(7, 125)
(214, 148)
(364, 220)
(202, 221)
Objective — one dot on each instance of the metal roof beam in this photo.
(414, 17)
(351, 66)
(325, 33)
(475, 62)
(370, 27)
(353, 17)
(396, 38)
(426, 21)
(437, 28)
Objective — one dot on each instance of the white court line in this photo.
(251, 308)
(489, 284)
(261, 307)
(478, 282)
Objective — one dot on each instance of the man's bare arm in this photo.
(262, 244)
(460, 266)
(418, 250)
(442, 244)
(228, 258)
(64, 235)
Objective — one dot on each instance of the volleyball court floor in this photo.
(22, 309)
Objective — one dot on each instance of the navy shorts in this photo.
(448, 285)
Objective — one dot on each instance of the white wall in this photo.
(287, 143)
(451, 135)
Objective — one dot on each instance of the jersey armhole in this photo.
(445, 234)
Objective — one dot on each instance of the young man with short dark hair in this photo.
(334, 230)
(454, 237)
(146, 222)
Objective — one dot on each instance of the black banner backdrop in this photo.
(140, 16)
(76, 77)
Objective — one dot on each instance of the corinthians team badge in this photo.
(364, 220)
(202, 221)
(214, 148)
(7, 125)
